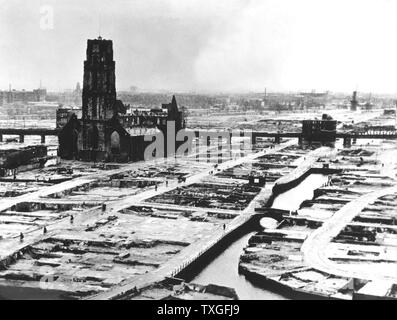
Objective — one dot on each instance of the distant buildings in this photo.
(363, 106)
(68, 97)
(13, 96)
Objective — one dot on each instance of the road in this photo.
(314, 247)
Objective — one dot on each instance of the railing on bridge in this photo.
(379, 131)
(375, 132)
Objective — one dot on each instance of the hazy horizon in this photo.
(206, 46)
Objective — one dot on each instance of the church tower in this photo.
(99, 89)
(98, 99)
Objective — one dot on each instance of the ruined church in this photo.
(105, 131)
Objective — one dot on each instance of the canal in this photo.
(223, 270)
(293, 198)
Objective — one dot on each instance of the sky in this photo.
(204, 45)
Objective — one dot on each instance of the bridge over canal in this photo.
(386, 132)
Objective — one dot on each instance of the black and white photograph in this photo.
(197, 153)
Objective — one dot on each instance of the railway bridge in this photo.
(387, 132)
(379, 132)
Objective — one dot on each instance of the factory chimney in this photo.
(354, 102)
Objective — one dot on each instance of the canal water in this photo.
(223, 270)
(24, 293)
(293, 198)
